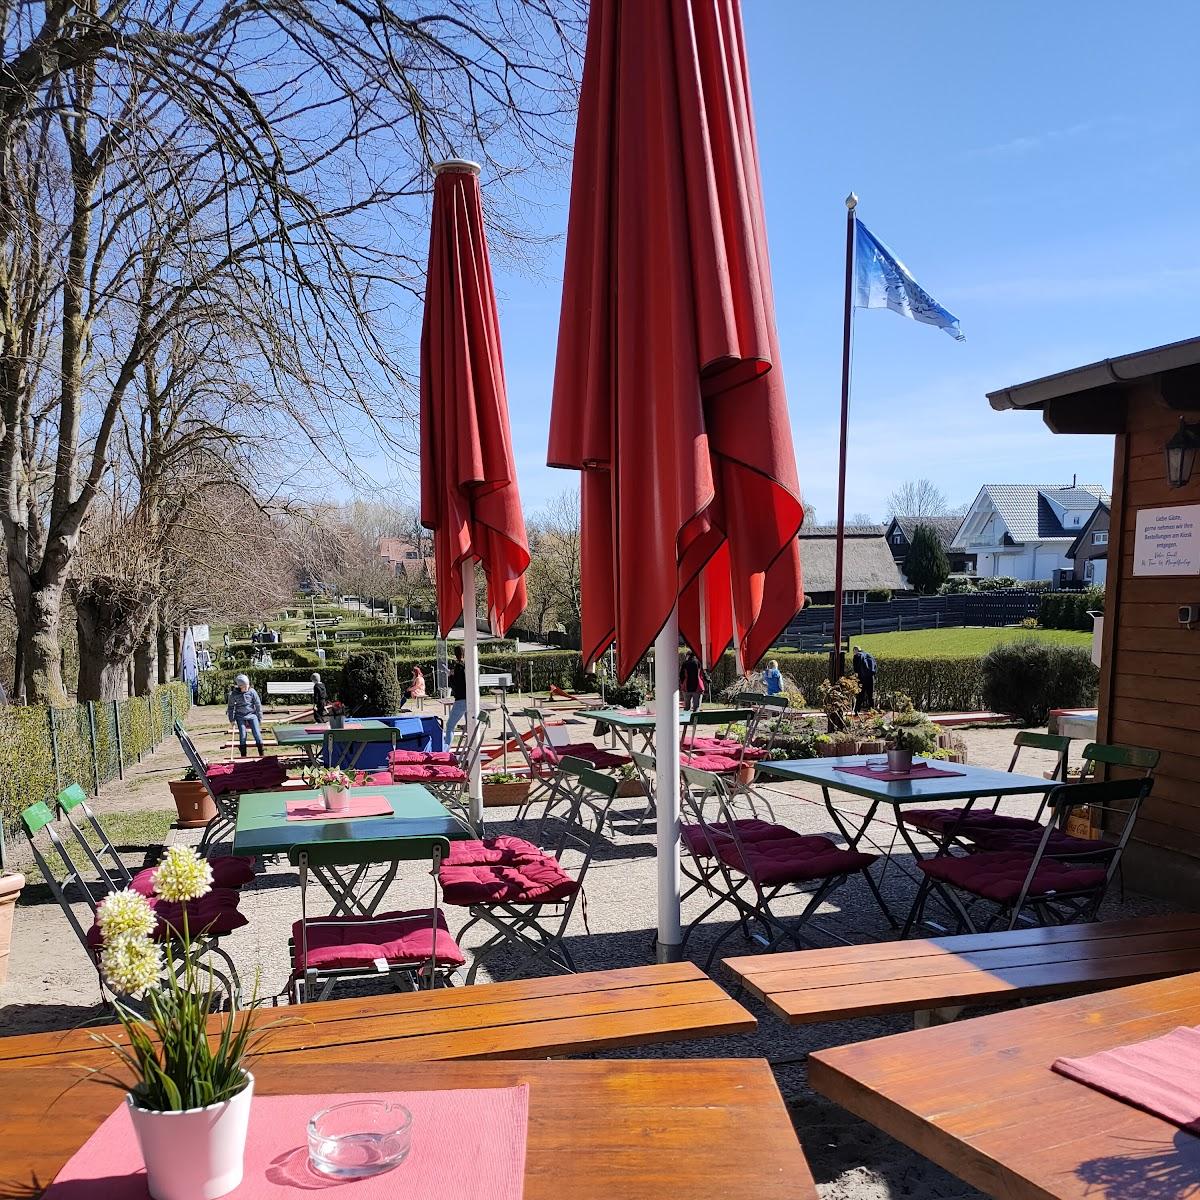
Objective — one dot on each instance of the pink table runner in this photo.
(924, 771)
(1159, 1075)
(366, 805)
(466, 1145)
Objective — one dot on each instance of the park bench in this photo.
(551, 1016)
(290, 687)
(985, 968)
(341, 635)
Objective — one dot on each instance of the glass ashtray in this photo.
(877, 763)
(359, 1138)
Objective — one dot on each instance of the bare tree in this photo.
(862, 518)
(262, 168)
(918, 498)
(553, 580)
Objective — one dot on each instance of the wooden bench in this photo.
(343, 634)
(289, 687)
(987, 968)
(534, 1018)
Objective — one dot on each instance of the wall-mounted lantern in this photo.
(1181, 450)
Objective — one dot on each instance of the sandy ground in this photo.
(51, 985)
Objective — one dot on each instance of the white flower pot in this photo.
(196, 1154)
(336, 799)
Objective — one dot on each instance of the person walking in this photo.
(458, 693)
(864, 667)
(416, 689)
(773, 678)
(691, 683)
(320, 697)
(245, 711)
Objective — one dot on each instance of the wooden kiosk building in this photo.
(1150, 664)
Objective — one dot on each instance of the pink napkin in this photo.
(466, 1145)
(365, 805)
(924, 771)
(1158, 1075)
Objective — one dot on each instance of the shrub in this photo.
(926, 564)
(956, 585)
(1069, 610)
(879, 595)
(369, 684)
(629, 694)
(1028, 678)
(997, 583)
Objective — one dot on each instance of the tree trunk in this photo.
(109, 628)
(39, 612)
(177, 652)
(166, 654)
(145, 661)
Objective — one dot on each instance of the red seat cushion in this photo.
(597, 756)
(726, 748)
(793, 859)
(538, 881)
(399, 757)
(424, 772)
(942, 820)
(998, 875)
(716, 764)
(748, 829)
(1028, 841)
(246, 775)
(213, 914)
(503, 849)
(229, 871)
(399, 938)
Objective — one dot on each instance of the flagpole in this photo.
(835, 662)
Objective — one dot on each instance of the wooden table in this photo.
(528, 1018)
(979, 1098)
(978, 968)
(641, 1130)
(968, 783)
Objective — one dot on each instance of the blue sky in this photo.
(1037, 167)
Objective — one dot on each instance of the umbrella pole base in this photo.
(668, 952)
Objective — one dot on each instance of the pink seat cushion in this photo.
(726, 748)
(597, 756)
(716, 764)
(399, 938)
(942, 820)
(229, 871)
(1028, 840)
(426, 772)
(399, 757)
(999, 874)
(213, 915)
(748, 829)
(503, 849)
(793, 859)
(246, 775)
(538, 881)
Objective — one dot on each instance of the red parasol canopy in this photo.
(468, 479)
(668, 393)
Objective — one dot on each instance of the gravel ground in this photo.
(51, 985)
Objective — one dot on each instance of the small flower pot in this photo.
(337, 722)
(336, 799)
(10, 891)
(193, 804)
(631, 787)
(197, 1154)
(899, 760)
(746, 774)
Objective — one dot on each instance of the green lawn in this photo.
(930, 643)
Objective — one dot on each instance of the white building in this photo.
(1025, 529)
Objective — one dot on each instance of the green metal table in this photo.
(971, 783)
(311, 743)
(263, 828)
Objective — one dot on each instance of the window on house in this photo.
(897, 538)
(1100, 537)
(854, 597)
(1089, 569)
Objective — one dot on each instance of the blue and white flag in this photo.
(881, 280)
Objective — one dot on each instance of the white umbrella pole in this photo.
(471, 663)
(666, 755)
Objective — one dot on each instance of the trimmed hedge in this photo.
(1069, 610)
(31, 771)
(1029, 678)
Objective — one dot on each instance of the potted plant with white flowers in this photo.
(334, 784)
(190, 1100)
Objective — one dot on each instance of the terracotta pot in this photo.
(631, 787)
(504, 795)
(10, 890)
(746, 773)
(197, 1154)
(193, 803)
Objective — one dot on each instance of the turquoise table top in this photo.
(263, 827)
(970, 782)
(297, 735)
(624, 720)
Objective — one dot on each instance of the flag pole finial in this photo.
(852, 202)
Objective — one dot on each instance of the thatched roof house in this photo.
(868, 566)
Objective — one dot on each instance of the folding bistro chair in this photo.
(411, 950)
(766, 861)
(1060, 886)
(450, 784)
(523, 892)
(209, 918)
(229, 871)
(945, 826)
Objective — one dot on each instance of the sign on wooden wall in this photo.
(1166, 541)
